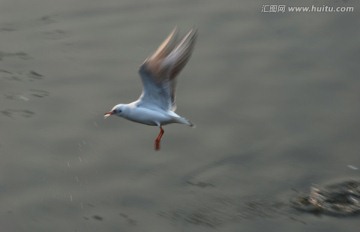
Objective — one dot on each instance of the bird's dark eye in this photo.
(118, 111)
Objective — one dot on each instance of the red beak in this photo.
(108, 114)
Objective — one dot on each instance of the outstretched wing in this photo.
(158, 72)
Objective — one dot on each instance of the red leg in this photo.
(158, 139)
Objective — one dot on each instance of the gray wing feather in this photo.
(155, 94)
(158, 73)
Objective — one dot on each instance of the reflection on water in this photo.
(274, 96)
(20, 55)
(17, 113)
(21, 76)
(217, 211)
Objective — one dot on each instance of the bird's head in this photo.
(116, 110)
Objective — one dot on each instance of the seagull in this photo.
(156, 104)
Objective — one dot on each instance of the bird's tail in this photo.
(185, 121)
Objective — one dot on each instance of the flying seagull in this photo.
(156, 104)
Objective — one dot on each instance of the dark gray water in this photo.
(275, 97)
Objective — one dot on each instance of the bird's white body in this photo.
(156, 105)
(150, 116)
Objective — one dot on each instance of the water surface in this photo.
(275, 97)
